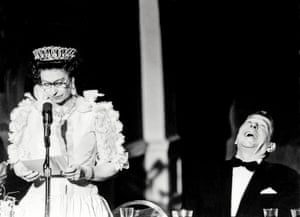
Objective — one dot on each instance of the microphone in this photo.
(47, 118)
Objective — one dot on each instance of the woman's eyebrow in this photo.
(60, 79)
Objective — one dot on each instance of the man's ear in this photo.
(235, 141)
(271, 147)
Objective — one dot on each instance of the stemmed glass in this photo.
(182, 213)
(270, 212)
(126, 212)
(2, 192)
(295, 212)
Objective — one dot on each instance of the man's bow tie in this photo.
(235, 162)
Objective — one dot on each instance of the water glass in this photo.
(7, 207)
(182, 213)
(270, 212)
(2, 191)
(295, 212)
(126, 212)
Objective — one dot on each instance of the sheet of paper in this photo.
(57, 164)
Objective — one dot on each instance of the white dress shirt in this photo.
(240, 179)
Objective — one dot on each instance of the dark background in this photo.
(225, 52)
(215, 53)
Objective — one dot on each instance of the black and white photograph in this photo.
(149, 108)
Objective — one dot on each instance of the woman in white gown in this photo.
(86, 139)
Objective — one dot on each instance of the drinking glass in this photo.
(126, 212)
(295, 212)
(182, 213)
(270, 212)
(7, 207)
(2, 191)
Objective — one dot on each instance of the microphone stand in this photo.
(47, 170)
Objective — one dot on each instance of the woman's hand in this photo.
(72, 173)
(31, 176)
(99, 172)
(25, 173)
(75, 173)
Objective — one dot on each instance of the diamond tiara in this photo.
(51, 53)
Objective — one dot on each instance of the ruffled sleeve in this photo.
(17, 125)
(109, 136)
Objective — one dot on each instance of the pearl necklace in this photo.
(64, 111)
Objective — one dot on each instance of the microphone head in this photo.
(47, 107)
(47, 112)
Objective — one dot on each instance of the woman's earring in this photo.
(73, 88)
(73, 91)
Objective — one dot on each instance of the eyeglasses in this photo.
(56, 84)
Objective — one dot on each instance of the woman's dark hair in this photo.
(71, 66)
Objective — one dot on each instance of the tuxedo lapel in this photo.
(225, 189)
(251, 196)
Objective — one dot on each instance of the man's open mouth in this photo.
(249, 134)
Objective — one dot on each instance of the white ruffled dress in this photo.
(93, 135)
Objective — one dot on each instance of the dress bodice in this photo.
(83, 131)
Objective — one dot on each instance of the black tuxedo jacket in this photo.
(215, 200)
